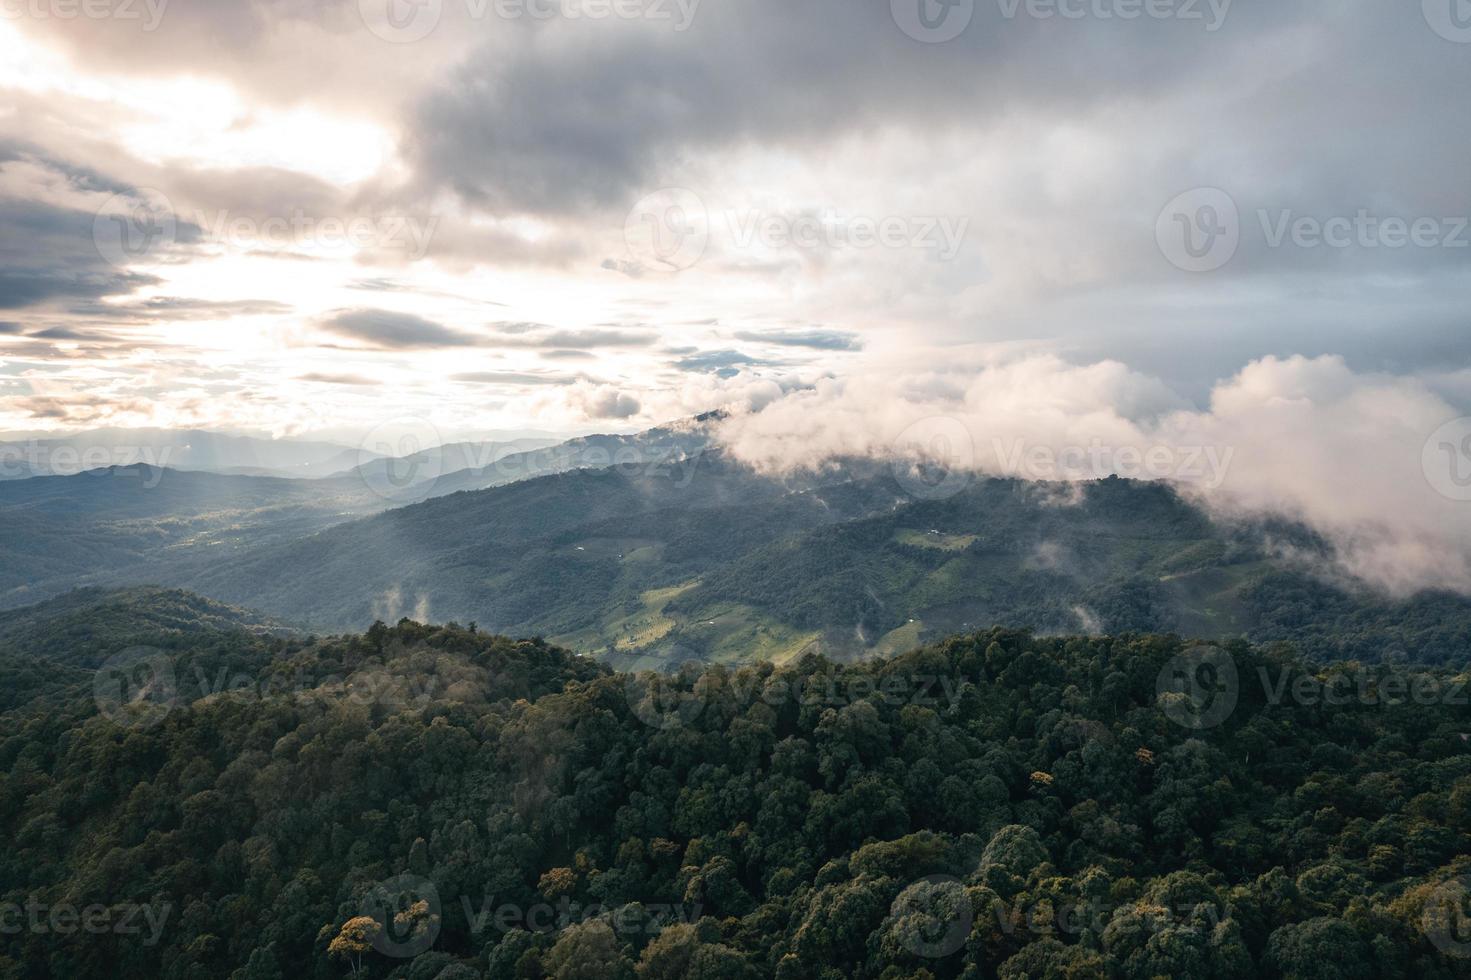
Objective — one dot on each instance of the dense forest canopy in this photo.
(435, 802)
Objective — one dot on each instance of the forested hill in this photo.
(704, 559)
(433, 803)
(690, 555)
(86, 626)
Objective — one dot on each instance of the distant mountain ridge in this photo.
(657, 548)
(84, 627)
(115, 524)
(184, 449)
(707, 560)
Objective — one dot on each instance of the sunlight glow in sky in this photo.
(354, 229)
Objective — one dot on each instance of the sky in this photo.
(1170, 219)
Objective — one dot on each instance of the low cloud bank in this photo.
(1379, 465)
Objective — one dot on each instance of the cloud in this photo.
(389, 330)
(725, 363)
(603, 402)
(336, 379)
(832, 340)
(175, 308)
(538, 336)
(74, 335)
(1308, 438)
(48, 253)
(512, 378)
(780, 75)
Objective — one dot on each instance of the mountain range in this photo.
(657, 548)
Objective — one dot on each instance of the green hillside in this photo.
(997, 805)
(709, 561)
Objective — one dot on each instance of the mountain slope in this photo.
(995, 806)
(108, 525)
(182, 449)
(544, 555)
(708, 560)
(83, 627)
(138, 523)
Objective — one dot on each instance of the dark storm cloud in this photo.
(388, 330)
(1291, 108)
(776, 72)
